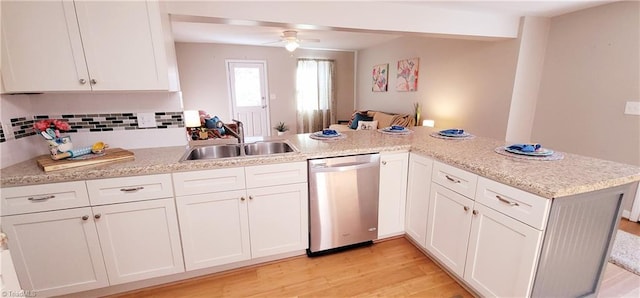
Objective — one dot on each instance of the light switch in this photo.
(146, 120)
(632, 108)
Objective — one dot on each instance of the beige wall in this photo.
(466, 84)
(591, 69)
(204, 82)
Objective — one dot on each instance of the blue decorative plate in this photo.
(321, 135)
(454, 135)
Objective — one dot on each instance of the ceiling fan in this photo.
(291, 40)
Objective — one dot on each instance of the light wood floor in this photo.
(389, 268)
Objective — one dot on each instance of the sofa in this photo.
(374, 118)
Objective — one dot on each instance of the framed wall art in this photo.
(407, 78)
(380, 75)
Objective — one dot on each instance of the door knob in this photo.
(93, 81)
(85, 217)
(97, 216)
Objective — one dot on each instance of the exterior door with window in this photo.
(248, 89)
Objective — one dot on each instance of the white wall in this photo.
(203, 78)
(533, 44)
(465, 84)
(592, 68)
(14, 151)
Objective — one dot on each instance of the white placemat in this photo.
(339, 137)
(439, 136)
(555, 156)
(398, 133)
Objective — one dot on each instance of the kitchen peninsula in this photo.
(558, 192)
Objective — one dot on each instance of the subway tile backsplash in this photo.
(23, 127)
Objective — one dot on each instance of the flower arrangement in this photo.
(56, 125)
(50, 130)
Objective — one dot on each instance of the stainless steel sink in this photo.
(212, 152)
(237, 150)
(266, 148)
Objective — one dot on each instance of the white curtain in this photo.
(315, 94)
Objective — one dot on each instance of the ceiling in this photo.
(223, 31)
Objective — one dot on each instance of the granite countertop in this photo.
(573, 174)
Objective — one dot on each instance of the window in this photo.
(314, 94)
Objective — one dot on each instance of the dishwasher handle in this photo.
(343, 167)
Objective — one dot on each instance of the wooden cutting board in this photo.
(111, 155)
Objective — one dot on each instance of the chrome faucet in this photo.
(239, 134)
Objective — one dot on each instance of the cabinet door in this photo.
(123, 44)
(41, 47)
(139, 240)
(278, 219)
(502, 254)
(418, 198)
(448, 227)
(393, 193)
(214, 228)
(56, 252)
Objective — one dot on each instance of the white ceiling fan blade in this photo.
(309, 40)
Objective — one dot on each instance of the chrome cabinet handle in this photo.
(501, 199)
(242, 199)
(42, 198)
(451, 179)
(475, 212)
(85, 217)
(384, 162)
(97, 216)
(466, 208)
(82, 81)
(93, 82)
(133, 189)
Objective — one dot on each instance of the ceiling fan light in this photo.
(291, 46)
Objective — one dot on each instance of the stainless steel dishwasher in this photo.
(343, 202)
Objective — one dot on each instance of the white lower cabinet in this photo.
(215, 228)
(139, 240)
(449, 222)
(241, 223)
(56, 252)
(418, 188)
(502, 254)
(278, 219)
(392, 193)
(495, 253)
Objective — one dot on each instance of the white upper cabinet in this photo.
(418, 189)
(82, 46)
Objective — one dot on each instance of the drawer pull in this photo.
(42, 198)
(133, 189)
(501, 199)
(97, 216)
(465, 208)
(475, 212)
(85, 217)
(451, 179)
(242, 199)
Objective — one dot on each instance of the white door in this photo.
(57, 252)
(215, 228)
(392, 194)
(418, 197)
(502, 254)
(123, 45)
(278, 219)
(139, 240)
(248, 92)
(448, 225)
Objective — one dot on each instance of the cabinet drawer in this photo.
(455, 179)
(200, 182)
(523, 206)
(45, 197)
(129, 189)
(276, 174)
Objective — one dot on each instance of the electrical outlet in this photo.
(146, 120)
(632, 108)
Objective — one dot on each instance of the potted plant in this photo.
(281, 128)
